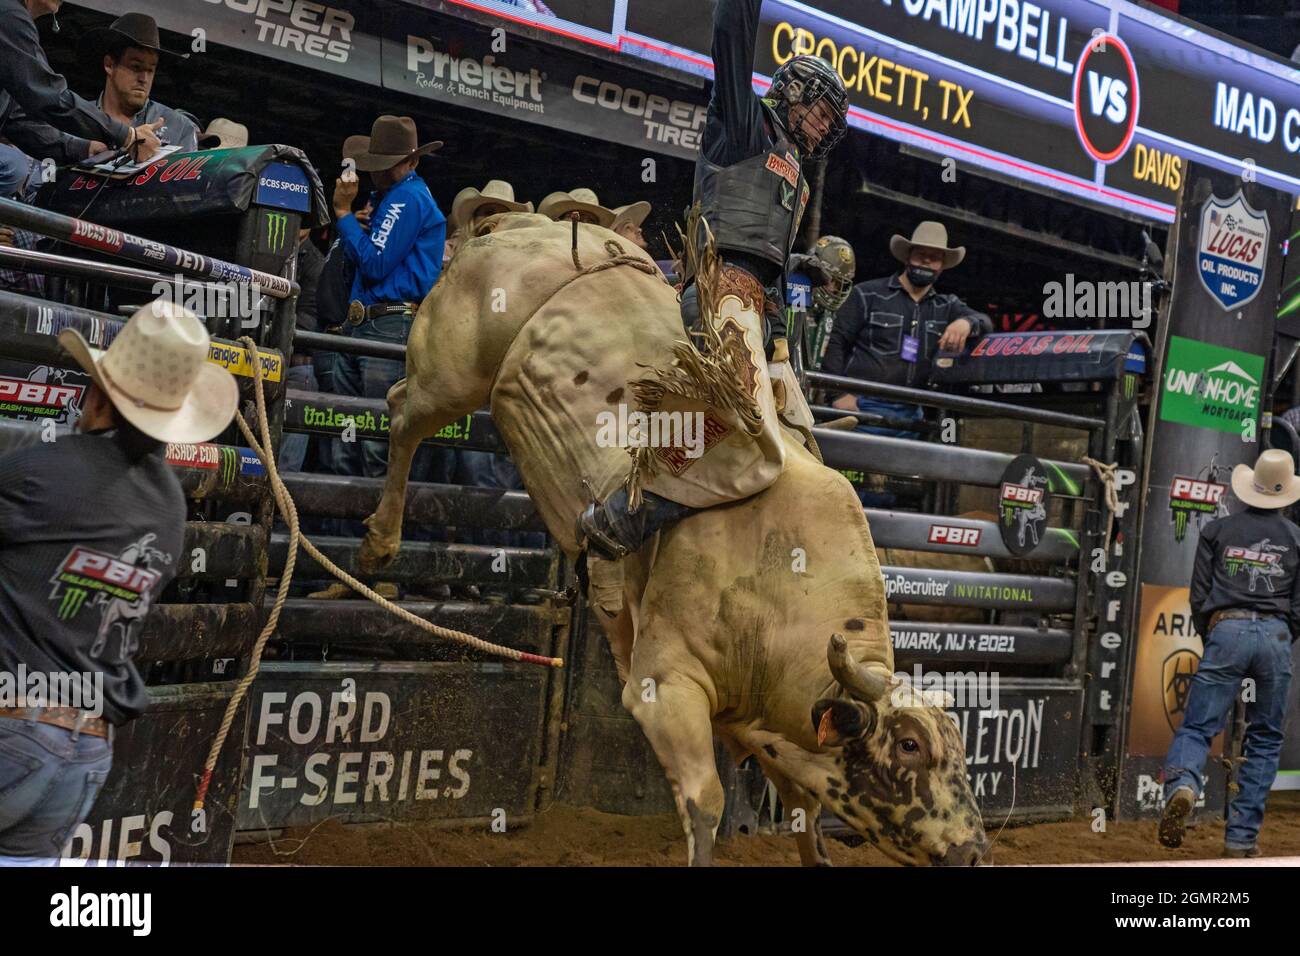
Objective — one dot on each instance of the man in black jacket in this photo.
(891, 329)
(751, 189)
(27, 81)
(1245, 600)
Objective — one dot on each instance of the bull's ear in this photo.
(837, 721)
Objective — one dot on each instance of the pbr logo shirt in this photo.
(88, 540)
(1248, 561)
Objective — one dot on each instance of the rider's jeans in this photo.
(1235, 649)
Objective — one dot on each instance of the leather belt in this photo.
(1239, 614)
(358, 313)
(69, 718)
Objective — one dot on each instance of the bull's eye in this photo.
(909, 745)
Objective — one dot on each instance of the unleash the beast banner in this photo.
(1211, 382)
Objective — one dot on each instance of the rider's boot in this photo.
(609, 531)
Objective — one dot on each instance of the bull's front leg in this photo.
(676, 720)
(803, 810)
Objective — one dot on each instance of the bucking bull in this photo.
(762, 620)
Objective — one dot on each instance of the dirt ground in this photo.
(573, 836)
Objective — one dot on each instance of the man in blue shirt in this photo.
(397, 262)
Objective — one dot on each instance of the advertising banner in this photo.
(1210, 364)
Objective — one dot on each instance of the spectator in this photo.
(334, 288)
(581, 204)
(471, 207)
(397, 262)
(29, 87)
(890, 329)
(106, 494)
(627, 223)
(224, 133)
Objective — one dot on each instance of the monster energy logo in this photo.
(229, 462)
(1130, 385)
(277, 229)
(73, 599)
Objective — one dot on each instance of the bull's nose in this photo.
(964, 854)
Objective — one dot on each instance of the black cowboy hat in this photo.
(134, 29)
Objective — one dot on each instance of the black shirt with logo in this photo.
(1248, 561)
(870, 337)
(89, 536)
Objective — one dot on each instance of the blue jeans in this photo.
(49, 780)
(1235, 649)
(369, 378)
(18, 179)
(875, 406)
(293, 446)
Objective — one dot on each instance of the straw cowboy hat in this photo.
(496, 193)
(224, 133)
(635, 213)
(929, 235)
(391, 140)
(1272, 483)
(559, 204)
(157, 374)
(133, 29)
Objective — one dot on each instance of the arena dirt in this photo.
(571, 836)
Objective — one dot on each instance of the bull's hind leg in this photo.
(415, 413)
(675, 719)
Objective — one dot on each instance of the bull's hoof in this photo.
(376, 553)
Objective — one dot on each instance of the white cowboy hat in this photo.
(930, 235)
(635, 213)
(559, 204)
(1272, 483)
(224, 133)
(157, 374)
(496, 193)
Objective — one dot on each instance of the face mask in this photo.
(921, 277)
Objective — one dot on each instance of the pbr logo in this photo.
(1176, 681)
(1262, 561)
(1193, 498)
(121, 586)
(1233, 251)
(959, 536)
(1023, 504)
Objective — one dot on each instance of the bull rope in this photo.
(1106, 475)
(296, 540)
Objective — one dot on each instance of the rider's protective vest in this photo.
(754, 206)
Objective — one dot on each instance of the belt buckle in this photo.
(356, 312)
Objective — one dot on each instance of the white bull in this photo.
(728, 618)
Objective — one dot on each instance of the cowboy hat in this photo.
(392, 139)
(929, 235)
(157, 374)
(1272, 483)
(559, 204)
(496, 193)
(224, 133)
(133, 29)
(635, 213)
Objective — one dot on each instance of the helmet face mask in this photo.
(837, 258)
(807, 81)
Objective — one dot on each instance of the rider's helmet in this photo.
(836, 256)
(808, 80)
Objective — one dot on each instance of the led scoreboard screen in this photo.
(1104, 100)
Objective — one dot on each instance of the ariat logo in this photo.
(277, 230)
(1176, 681)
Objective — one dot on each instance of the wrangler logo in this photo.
(952, 534)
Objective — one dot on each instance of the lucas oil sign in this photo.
(1233, 250)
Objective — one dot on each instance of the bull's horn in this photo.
(864, 684)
